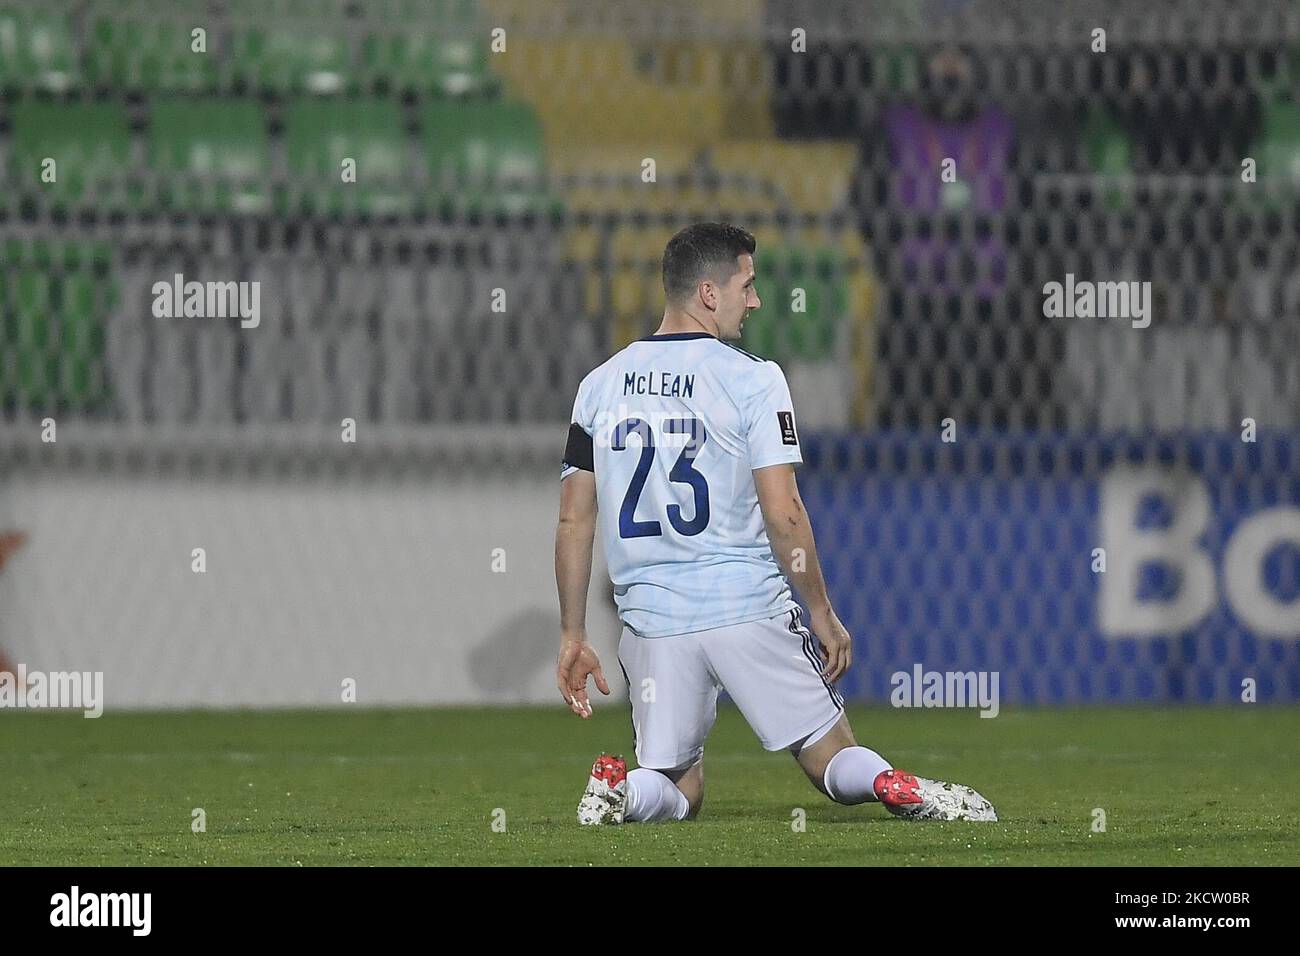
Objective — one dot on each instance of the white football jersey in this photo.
(673, 427)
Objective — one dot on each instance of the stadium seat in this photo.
(81, 340)
(428, 60)
(485, 156)
(292, 59)
(150, 56)
(600, 179)
(36, 52)
(806, 177)
(89, 143)
(23, 369)
(1278, 151)
(211, 155)
(592, 79)
(779, 331)
(62, 298)
(448, 14)
(86, 256)
(13, 250)
(33, 364)
(1110, 156)
(898, 69)
(243, 12)
(320, 133)
(695, 200)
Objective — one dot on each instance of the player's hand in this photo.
(10, 541)
(834, 643)
(578, 661)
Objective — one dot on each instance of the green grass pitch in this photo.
(366, 787)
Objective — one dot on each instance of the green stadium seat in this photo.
(292, 60)
(899, 69)
(212, 155)
(81, 340)
(450, 13)
(461, 11)
(1110, 155)
(12, 251)
(425, 60)
(89, 143)
(44, 255)
(778, 331)
(289, 11)
(486, 156)
(32, 293)
(149, 56)
(1277, 154)
(320, 134)
(29, 373)
(78, 256)
(1283, 79)
(36, 52)
(51, 326)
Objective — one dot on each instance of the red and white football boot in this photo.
(605, 799)
(917, 798)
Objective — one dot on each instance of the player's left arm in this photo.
(790, 532)
(574, 538)
(773, 445)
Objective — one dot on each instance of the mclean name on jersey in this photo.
(668, 384)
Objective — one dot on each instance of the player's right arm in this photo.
(790, 532)
(574, 539)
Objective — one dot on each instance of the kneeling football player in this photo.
(684, 445)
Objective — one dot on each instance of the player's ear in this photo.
(708, 294)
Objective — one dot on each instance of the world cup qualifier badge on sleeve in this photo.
(786, 421)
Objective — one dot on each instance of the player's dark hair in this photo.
(702, 250)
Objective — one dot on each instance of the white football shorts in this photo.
(770, 668)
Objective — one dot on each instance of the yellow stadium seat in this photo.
(592, 89)
(811, 177)
(582, 244)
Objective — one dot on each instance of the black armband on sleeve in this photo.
(578, 452)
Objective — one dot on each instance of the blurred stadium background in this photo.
(503, 236)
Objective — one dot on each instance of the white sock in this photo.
(851, 773)
(652, 797)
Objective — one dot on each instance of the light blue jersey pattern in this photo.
(678, 423)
